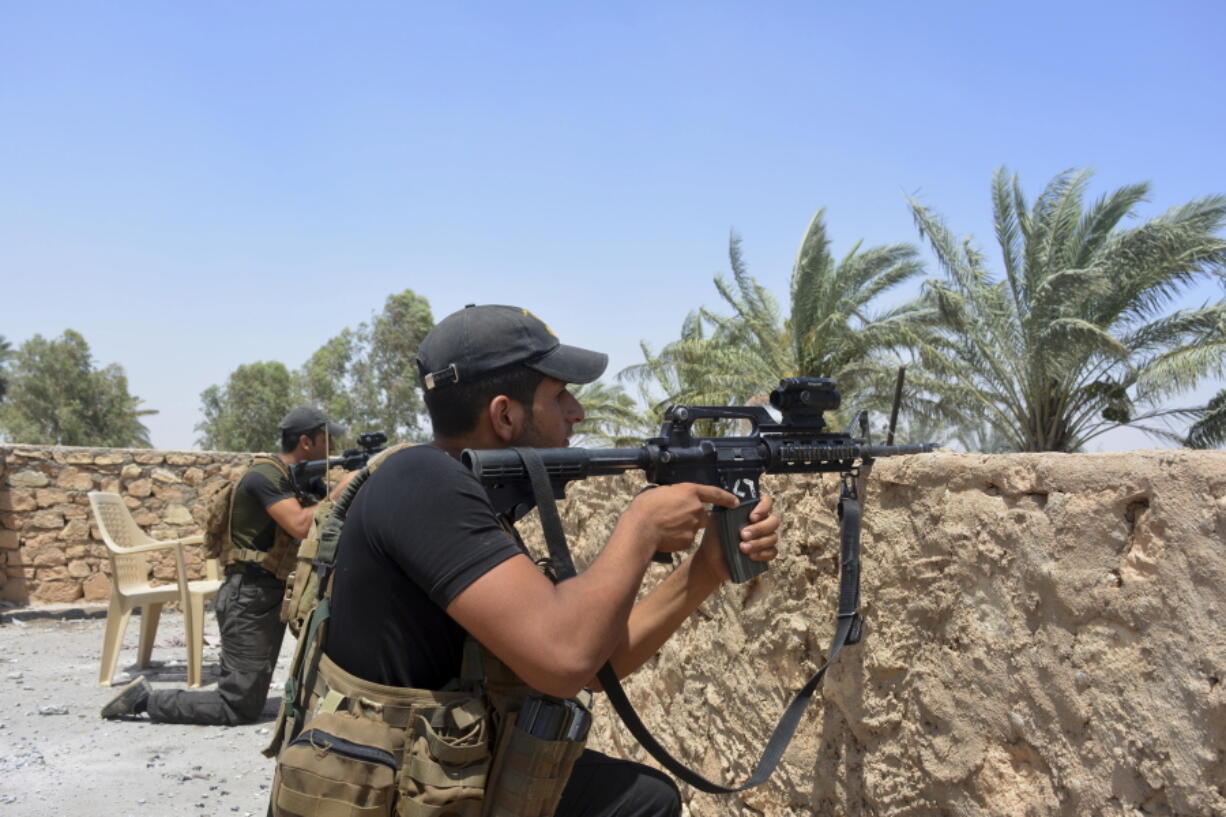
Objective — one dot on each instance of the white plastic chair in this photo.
(127, 545)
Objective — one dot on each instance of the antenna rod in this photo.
(902, 373)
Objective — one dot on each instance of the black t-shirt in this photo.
(419, 532)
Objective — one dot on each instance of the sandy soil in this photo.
(58, 757)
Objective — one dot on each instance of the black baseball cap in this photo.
(480, 340)
(305, 419)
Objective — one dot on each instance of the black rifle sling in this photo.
(847, 631)
(551, 523)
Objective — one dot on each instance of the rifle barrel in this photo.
(872, 451)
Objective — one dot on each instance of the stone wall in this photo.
(50, 549)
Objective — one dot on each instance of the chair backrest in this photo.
(119, 529)
(119, 532)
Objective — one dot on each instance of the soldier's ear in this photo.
(506, 417)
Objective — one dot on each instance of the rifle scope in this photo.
(372, 439)
(805, 397)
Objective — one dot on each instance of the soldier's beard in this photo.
(533, 437)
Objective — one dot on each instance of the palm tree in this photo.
(831, 330)
(1209, 430)
(612, 417)
(1074, 339)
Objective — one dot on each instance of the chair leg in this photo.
(116, 623)
(150, 614)
(195, 639)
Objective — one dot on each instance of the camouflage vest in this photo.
(219, 526)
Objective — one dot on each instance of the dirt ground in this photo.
(58, 757)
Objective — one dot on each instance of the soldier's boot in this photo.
(131, 700)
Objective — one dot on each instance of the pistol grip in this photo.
(731, 521)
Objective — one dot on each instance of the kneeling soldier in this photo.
(268, 518)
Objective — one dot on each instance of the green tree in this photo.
(366, 377)
(833, 328)
(611, 416)
(1209, 430)
(1074, 339)
(325, 379)
(55, 395)
(6, 351)
(245, 413)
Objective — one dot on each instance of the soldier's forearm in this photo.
(654, 619)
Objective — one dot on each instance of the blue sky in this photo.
(194, 186)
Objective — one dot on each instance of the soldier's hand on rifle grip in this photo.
(660, 557)
(670, 516)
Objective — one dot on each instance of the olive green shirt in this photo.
(263, 485)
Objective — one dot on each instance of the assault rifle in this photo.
(797, 443)
(308, 476)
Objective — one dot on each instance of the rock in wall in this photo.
(1043, 637)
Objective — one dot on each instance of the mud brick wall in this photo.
(50, 548)
(1043, 636)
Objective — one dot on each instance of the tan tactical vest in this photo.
(219, 534)
(347, 747)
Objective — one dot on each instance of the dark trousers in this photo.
(249, 616)
(602, 786)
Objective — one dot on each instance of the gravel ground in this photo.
(58, 757)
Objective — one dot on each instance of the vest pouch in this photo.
(536, 754)
(342, 765)
(281, 557)
(446, 761)
(302, 585)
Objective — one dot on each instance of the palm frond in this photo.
(1073, 338)
(1209, 430)
(1103, 217)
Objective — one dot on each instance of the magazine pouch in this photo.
(537, 749)
(446, 759)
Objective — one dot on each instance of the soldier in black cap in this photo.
(425, 560)
(269, 515)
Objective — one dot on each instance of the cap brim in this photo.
(336, 430)
(571, 364)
